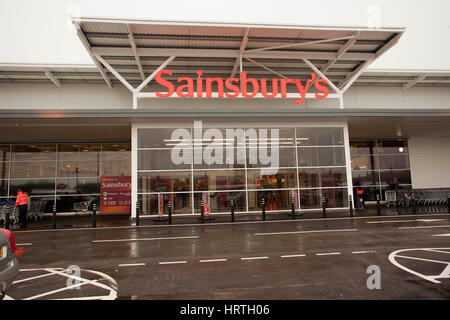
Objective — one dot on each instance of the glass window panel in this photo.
(168, 181)
(181, 203)
(312, 198)
(275, 200)
(3, 188)
(5, 153)
(322, 177)
(393, 161)
(266, 179)
(362, 162)
(322, 156)
(4, 170)
(284, 156)
(320, 136)
(78, 168)
(79, 152)
(160, 160)
(285, 137)
(33, 152)
(33, 186)
(116, 151)
(78, 203)
(160, 138)
(220, 201)
(392, 147)
(225, 157)
(116, 168)
(39, 169)
(363, 178)
(77, 185)
(219, 180)
(362, 147)
(403, 176)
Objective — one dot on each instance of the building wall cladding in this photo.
(429, 160)
(99, 96)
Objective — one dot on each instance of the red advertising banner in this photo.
(115, 194)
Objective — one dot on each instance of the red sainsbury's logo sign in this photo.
(246, 87)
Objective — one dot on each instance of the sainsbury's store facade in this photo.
(72, 133)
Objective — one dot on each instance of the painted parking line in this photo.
(213, 260)
(300, 232)
(131, 264)
(366, 251)
(415, 220)
(172, 262)
(426, 227)
(254, 258)
(144, 239)
(441, 235)
(24, 244)
(293, 255)
(327, 253)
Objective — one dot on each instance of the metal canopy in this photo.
(130, 51)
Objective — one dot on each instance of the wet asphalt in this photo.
(277, 259)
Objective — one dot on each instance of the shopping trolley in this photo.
(82, 206)
(391, 198)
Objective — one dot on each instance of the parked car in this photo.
(8, 262)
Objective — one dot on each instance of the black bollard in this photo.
(232, 209)
(137, 213)
(448, 203)
(350, 203)
(54, 216)
(7, 221)
(293, 207)
(414, 203)
(202, 212)
(263, 209)
(170, 211)
(94, 215)
(324, 205)
(378, 205)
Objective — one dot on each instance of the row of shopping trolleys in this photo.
(418, 197)
(7, 207)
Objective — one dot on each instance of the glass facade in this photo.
(310, 161)
(375, 164)
(66, 173)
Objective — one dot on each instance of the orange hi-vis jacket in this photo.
(21, 199)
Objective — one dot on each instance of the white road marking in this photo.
(441, 235)
(24, 244)
(416, 220)
(32, 278)
(214, 260)
(422, 259)
(293, 255)
(426, 227)
(131, 264)
(299, 232)
(440, 251)
(367, 251)
(144, 239)
(327, 253)
(172, 262)
(254, 258)
(432, 278)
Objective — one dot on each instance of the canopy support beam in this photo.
(238, 61)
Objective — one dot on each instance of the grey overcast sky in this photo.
(38, 31)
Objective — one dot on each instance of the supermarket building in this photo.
(105, 132)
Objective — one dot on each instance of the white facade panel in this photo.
(429, 160)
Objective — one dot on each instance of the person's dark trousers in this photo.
(23, 208)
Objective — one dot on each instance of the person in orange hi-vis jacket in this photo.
(22, 203)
